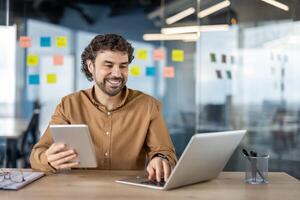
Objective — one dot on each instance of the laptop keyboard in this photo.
(154, 183)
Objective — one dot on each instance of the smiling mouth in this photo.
(114, 82)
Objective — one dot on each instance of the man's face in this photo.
(110, 71)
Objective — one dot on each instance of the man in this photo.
(126, 126)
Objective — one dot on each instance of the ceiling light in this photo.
(159, 36)
(193, 29)
(277, 4)
(180, 15)
(213, 9)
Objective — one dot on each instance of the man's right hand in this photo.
(60, 156)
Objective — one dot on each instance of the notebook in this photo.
(28, 176)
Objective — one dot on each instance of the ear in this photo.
(90, 65)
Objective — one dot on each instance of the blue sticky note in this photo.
(150, 71)
(34, 79)
(45, 41)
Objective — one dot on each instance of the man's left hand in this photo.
(158, 168)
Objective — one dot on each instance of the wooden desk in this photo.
(89, 184)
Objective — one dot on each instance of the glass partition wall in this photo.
(239, 73)
(248, 78)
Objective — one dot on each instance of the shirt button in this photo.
(107, 133)
(108, 113)
(106, 154)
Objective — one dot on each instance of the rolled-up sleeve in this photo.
(158, 139)
(38, 159)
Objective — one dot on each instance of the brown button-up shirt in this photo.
(123, 137)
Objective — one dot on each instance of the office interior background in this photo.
(215, 65)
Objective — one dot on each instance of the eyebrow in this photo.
(123, 63)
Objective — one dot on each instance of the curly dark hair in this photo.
(111, 42)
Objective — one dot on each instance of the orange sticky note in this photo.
(61, 41)
(177, 55)
(32, 60)
(58, 60)
(158, 54)
(25, 41)
(142, 54)
(169, 72)
(135, 70)
(51, 78)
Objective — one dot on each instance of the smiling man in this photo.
(126, 126)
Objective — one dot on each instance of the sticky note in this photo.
(223, 58)
(34, 79)
(229, 74)
(58, 59)
(45, 41)
(142, 54)
(177, 55)
(25, 41)
(158, 54)
(61, 41)
(169, 72)
(213, 57)
(51, 78)
(32, 60)
(135, 70)
(219, 74)
(150, 71)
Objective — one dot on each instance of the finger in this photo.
(56, 147)
(158, 170)
(63, 160)
(57, 156)
(68, 165)
(167, 169)
(151, 172)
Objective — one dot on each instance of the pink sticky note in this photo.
(158, 54)
(25, 41)
(58, 60)
(169, 72)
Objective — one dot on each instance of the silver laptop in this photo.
(203, 159)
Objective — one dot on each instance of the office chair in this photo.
(29, 137)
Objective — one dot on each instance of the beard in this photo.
(112, 85)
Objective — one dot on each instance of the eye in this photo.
(123, 66)
(108, 65)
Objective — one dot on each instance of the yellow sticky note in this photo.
(177, 55)
(32, 60)
(61, 41)
(142, 54)
(135, 70)
(51, 78)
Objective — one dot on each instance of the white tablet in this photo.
(78, 137)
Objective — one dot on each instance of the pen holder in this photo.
(257, 169)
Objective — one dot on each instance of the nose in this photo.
(116, 71)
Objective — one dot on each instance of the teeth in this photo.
(114, 82)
